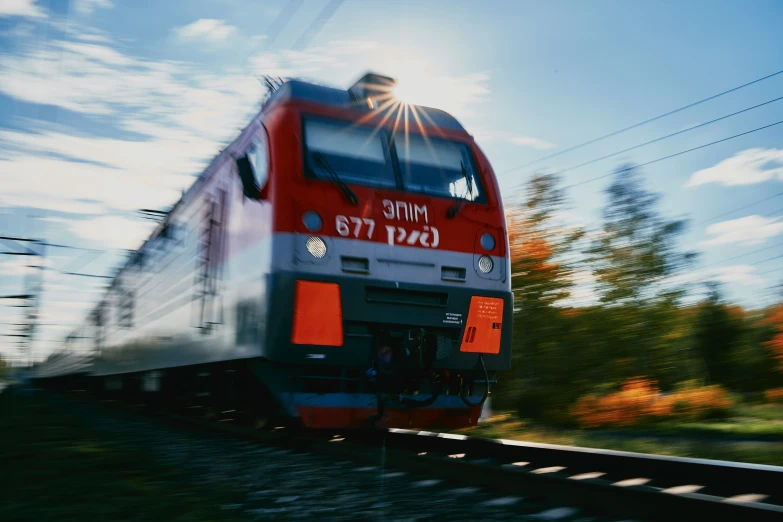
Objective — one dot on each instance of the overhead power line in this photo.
(277, 26)
(86, 258)
(744, 255)
(326, 13)
(20, 239)
(743, 207)
(281, 21)
(595, 160)
(768, 259)
(636, 125)
(776, 269)
(674, 155)
(97, 276)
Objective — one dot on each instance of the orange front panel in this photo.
(318, 316)
(482, 331)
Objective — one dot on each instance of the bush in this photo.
(693, 403)
(639, 401)
(774, 395)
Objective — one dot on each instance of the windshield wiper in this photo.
(320, 159)
(459, 201)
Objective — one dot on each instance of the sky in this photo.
(109, 107)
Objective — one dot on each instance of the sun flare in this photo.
(419, 91)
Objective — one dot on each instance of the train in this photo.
(343, 263)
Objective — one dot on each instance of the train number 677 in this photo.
(345, 225)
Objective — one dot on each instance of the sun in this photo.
(421, 84)
(421, 90)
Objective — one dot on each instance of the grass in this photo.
(55, 467)
(720, 440)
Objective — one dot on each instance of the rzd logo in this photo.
(428, 238)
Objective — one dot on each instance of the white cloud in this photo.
(112, 231)
(744, 168)
(485, 136)
(329, 61)
(101, 80)
(55, 220)
(748, 230)
(205, 28)
(86, 7)
(187, 114)
(741, 274)
(97, 53)
(60, 182)
(26, 8)
(15, 266)
(534, 143)
(49, 201)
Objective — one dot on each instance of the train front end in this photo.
(389, 300)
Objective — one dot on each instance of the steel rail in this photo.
(631, 484)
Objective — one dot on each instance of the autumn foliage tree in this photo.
(775, 345)
(621, 357)
(540, 245)
(542, 266)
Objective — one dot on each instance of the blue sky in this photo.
(107, 107)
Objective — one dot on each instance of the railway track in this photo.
(641, 486)
(598, 484)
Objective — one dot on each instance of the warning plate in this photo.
(485, 321)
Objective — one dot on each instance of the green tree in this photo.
(635, 258)
(717, 334)
(636, 253)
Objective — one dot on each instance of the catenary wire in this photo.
(645, 122)
(323, 17)
(672, 155)
(595, 160)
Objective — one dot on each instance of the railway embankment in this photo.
(71, 459)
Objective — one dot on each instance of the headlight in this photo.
(317, 248)
(487, 241)
(485, 264)
(312, 221)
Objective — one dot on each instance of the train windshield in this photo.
(355, 153)
(437, 167)
(364, 155)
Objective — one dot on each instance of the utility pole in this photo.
(30, 299)
(33, 287)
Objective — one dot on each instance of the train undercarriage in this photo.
(399, 386)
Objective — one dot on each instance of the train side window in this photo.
(259, 159)
(253, 167)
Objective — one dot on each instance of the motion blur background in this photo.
(647, 286)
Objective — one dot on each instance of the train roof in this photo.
(309, 92)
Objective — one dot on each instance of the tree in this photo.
(635, 258)
(540, 245)
(542, 266)
(636, 251)
(717, 336)
(775, 345)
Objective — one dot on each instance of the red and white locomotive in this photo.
(343, 262)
